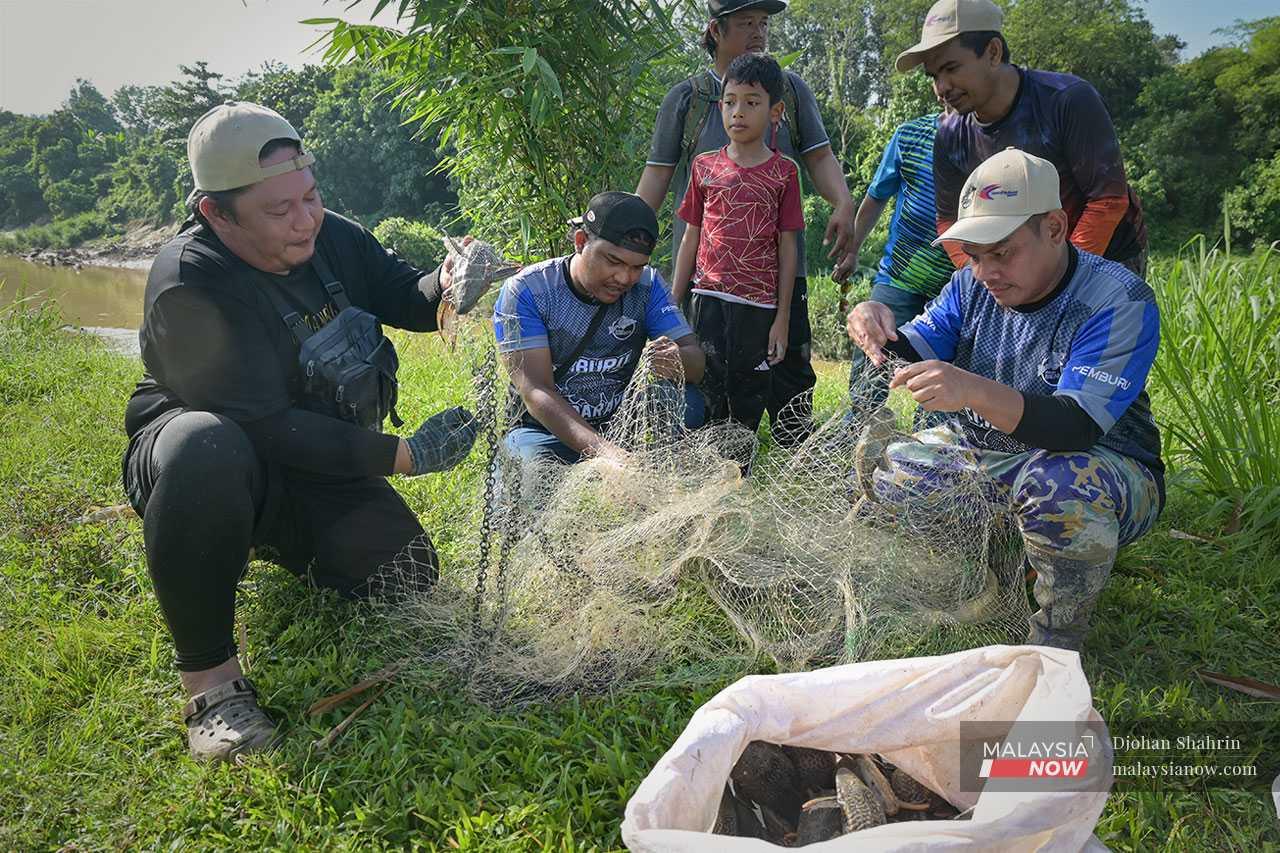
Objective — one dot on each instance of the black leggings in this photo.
(206, 498)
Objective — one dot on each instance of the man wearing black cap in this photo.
(572, 330)
(689, 124)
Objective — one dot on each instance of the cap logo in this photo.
(939, 19)
(990, 190)
(966, 198)
(591, 216)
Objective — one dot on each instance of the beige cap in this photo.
(1001, 194)
(948, 19)
(223, 146)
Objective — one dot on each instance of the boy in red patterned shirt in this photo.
(741, 202)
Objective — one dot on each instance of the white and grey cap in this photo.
(1005, 191)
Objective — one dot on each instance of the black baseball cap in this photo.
(624, 219)
(720, 8)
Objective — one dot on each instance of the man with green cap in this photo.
(1040, 351)
(689, 123)
(256, 426)
(998, 105)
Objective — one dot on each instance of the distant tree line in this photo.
(1193, 132)
(99, 164)
(503, 116)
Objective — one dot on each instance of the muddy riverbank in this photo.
(93, 292)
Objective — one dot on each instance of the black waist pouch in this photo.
(349, 370)
(348, 366)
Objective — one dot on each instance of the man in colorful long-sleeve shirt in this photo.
(1058, 117)
(1041, 351)
(912, 270)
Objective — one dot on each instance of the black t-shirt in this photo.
(212, 339)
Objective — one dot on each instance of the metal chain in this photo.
(486, 380)
(510, 533)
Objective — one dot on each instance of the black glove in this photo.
(443, 440)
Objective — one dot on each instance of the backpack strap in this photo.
(594, 326)
(701, 101)
(792, 104)
(293, 320)
(330, 281)
(292, 317)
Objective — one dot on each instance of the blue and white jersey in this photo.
(1094, 341)
(538, 309)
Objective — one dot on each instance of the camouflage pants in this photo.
(1073, 510)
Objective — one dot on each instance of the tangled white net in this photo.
(672, 566)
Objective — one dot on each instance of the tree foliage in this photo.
(356, 132)
(1253, 208)
(1110, 43)
(537, 105)
(505, 117)
(99, 161)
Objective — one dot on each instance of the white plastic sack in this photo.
(907, 710)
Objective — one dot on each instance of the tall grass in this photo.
(67, 233)
(1218, 377)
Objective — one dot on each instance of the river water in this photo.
(104, 300)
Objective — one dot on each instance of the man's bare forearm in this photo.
(828, 178)
(654, 183)
(868, 215)
(1000, 405)
(553, 411)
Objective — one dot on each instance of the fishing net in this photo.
(696, 552)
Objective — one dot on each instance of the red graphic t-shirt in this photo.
(740, 211)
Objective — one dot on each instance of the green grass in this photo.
(92, 752)
(66, 233)
(1220, 380)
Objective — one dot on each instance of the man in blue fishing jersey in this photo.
(1041, 352)
(572, 330)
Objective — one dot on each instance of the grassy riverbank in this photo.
(92, 752)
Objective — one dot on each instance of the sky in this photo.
(46, 44)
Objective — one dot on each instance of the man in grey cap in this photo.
(689, 124)
(256, 425)
(1041, 351)
(998, 105)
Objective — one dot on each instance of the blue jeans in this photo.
(528, 442)
(867, 389)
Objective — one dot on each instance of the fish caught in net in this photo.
(476, 267)
(693, 552)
